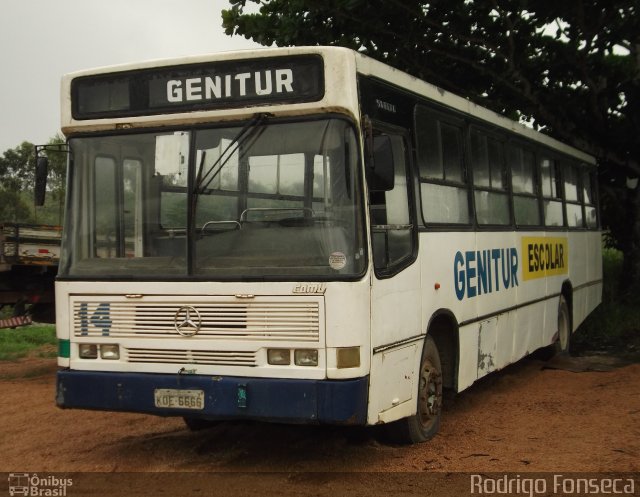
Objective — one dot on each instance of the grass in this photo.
(20, 342)
(614, 327)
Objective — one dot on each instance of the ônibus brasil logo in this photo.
(42, 486)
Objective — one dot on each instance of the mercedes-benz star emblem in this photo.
(187, 321)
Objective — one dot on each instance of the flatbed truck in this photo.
(29, 256)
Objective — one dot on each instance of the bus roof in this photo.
(341, 65)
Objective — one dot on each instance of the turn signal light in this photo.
(348, 357)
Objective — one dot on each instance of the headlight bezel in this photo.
(279, 357)
(110, 352)
(88, 350)
(306, 357)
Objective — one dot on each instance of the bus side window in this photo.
(572, 198)
(526, 206)
(551, 193)
(443, 187)
(391, 227)
(588, 198)
(489, 179)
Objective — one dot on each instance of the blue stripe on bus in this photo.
(267, 399)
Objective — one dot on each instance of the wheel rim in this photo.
(563, 328)
(430, 394)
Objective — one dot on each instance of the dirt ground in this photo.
(560, 416)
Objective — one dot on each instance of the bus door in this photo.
(118, 208)
(395, 290)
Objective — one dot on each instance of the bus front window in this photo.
(272, 200)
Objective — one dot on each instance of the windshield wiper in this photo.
(203, 182)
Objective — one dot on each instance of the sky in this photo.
(40, 40)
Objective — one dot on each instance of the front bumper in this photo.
(267, 399)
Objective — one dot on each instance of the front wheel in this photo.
(425, 423)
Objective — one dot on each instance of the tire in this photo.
(563, 344)
(423, 425)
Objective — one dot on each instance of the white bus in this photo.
(308, 235)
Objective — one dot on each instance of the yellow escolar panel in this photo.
(544, 256)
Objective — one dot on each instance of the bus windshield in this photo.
(260, 200)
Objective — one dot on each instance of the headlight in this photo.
(279, 357)
(306, 357)
(110, 351)
(88, 351)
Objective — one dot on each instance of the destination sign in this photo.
(212, 85)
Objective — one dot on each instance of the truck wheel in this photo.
(425, 423)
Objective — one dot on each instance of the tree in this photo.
(13, 208)
(16, 175)
(571, 69)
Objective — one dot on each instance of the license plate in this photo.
(179, 399)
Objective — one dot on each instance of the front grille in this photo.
(264, 319)
(201, 357)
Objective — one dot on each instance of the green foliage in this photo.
(17, 177)
(615, 325)
(556, 63)
(13, 207)
(17, 166)
(19, 342)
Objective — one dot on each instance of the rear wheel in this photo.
(425, 423)
(563, 344)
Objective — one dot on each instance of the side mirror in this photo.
(40, 186)
(380, 165)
